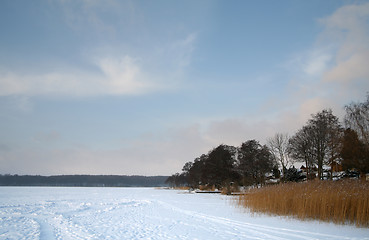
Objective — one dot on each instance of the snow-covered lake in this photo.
(145, 213)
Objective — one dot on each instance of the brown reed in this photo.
(344, 201)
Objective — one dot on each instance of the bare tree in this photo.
(278, 146)
(357, 118)
(301, 148)
(335, 136)
(318, 141)
(325, 129)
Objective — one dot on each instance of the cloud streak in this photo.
(116, 54)
(112, 76)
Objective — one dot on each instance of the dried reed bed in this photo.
(337, 201)
(182, 188)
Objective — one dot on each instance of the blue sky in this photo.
(141, 87)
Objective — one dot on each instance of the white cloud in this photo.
(355, 68)
(109, 74)
(123, 76)
(348, 28)
(184, 49)
(317, 63)
(121, 53)
(113, 76)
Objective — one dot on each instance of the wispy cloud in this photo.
(334, 71)
(111, 76)
(184, 49)
(123, 76)
(349, 28)
(124, 57)
(316, 63)
(83, 14)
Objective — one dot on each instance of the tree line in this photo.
(83, 181)
(322, 143)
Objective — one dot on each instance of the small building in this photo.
(336, 167)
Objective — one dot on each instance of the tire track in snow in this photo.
(211, 225)
(50, 224)
(261, 231)
(46, 231)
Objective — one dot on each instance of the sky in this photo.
(142, 87)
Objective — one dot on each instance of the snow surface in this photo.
(145, 213)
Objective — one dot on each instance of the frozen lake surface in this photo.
(145, 213)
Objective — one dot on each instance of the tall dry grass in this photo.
(337, 201)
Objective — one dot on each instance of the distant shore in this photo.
(83, 180)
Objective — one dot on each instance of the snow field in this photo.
(145, 213)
